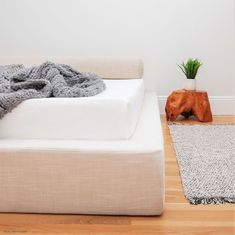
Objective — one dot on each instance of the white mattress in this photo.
(88, 177)
(110, 115)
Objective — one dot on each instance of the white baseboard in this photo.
(220, 105)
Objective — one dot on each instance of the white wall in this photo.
(162, 32)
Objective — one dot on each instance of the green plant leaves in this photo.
(190, 69)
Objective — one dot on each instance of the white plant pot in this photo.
(190, 84)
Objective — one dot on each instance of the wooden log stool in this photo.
(188, 103)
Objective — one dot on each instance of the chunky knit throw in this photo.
(18, 83)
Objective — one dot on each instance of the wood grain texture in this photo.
(188, 103)
(179, 217)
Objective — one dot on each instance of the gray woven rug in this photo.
(206, 159)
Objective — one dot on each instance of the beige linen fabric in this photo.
(106, 67)
(83, 183)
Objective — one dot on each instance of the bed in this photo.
(119, 171)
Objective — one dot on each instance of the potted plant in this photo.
(190, 70)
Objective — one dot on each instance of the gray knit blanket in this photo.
(18, 83)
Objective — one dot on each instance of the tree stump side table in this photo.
(188, 103)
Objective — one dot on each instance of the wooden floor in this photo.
(179, 217)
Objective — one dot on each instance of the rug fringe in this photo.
(213, 200)
(173, 123)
